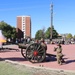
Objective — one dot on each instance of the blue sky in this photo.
(39, 10)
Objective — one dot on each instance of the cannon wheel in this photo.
(35, 53)
(23, 52)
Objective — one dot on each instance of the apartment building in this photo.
(23, 26)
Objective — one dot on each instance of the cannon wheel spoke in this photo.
(34, 59)
(37, 53)
(23, 52)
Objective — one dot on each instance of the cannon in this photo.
(33, 52)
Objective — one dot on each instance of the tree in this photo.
(69, 36)
(14, 32)
(7, 30)
(39, 34)
(42, 34)
(48, 33)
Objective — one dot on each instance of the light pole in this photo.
(51, 8)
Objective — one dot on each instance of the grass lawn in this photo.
(10, 69)
(16, 69)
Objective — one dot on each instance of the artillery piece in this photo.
(34, 52)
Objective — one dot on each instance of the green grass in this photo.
(15, 69)
(10, 69)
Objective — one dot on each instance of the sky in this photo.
(40, 13)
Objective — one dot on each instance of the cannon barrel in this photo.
(23, 46)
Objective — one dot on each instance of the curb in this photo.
(39, 67)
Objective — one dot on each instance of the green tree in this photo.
(48, 33)
(13, 32)
(69, 36)
(7, 30)
(42, 34)
(39, 34)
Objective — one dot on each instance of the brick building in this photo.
(23, 26)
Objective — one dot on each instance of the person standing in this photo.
(59, 54)
(43, 43)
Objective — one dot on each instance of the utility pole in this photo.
(51, 8)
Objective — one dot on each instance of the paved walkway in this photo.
(12, 52)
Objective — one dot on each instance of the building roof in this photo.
(23, 16)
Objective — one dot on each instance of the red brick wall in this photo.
(28, 26)
(19, 27)
(19, 22)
